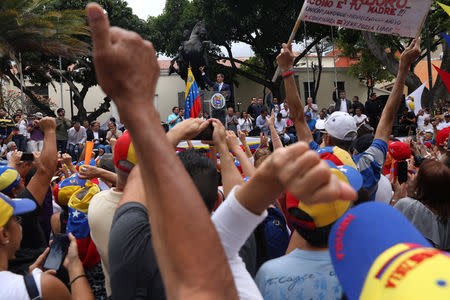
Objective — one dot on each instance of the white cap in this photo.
(342, 126)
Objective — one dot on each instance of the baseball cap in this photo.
(308, 114)
(342, 126)
(378, 254)
(39, 115)
(124, 154)
(11, 207)
(66, 188)
(318, 218)
(447, 115)
(442, 136)
(9, 179)
(337, 155)
(399, 150)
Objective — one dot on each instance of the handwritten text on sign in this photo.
(397, 17)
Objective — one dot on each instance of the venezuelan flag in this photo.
(192, 104)
(78, 224)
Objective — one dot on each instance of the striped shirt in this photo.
(6, 126)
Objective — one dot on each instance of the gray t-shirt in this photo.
(134, 271)
(426, 222)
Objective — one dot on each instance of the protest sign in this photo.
(396, 17)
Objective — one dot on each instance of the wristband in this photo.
(76, 278)
(288, 73)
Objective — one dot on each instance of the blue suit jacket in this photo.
(215, 85)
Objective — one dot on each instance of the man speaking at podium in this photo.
(218, 87)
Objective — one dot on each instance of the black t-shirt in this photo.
(33, 236)
(33, 239)
(133, 268)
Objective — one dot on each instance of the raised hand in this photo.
(411, 54)
(126, 65)
(188, 129)
(47, 123)
(232, 141)
(219, 134)
(286, 58)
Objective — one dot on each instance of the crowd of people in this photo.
(23, 133)
(322, 209)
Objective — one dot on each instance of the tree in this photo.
(262, 24)
(27, 27)
(41, 59)
(81, 71)
(384, 49)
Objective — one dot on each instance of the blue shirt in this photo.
(299, 275)
(312, 124)
(369, 164)
(260, 122)
(172, 117)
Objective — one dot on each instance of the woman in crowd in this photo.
(427, 206)
(44, 284)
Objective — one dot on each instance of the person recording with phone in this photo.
(39, 283)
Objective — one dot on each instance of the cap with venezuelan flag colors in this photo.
(337, 155)
(11, 207)
(320, 217)
(9, 179)
(378, 254)
(124, 154)
(66, 188)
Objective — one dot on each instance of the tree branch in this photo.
(310, 46)
(45, 108)
(104, 107)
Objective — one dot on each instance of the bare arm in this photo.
(297, 169)
(247, 167)
(186, 130)
(131, 81)
(243, 140)
(286, 62)
(47, 161)
(387, 117)
(228, 169)
(91, 172)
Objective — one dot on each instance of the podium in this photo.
(205, 97)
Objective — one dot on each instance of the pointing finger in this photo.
(99, 25)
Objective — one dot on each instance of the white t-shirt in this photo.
(101, 213)
(245, 124)
(234, 224)
(320, 124)
(360, 118)
(96, 137)
(343, 105)
(13, 285)
(421, 119)
(23, 128)
(384, 192)
(443, 125)
(283, 111)
(426, 128)
(280, 125)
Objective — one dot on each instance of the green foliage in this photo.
(27, 26)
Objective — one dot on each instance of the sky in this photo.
(145, 8)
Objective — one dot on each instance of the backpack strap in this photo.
(31, 286)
